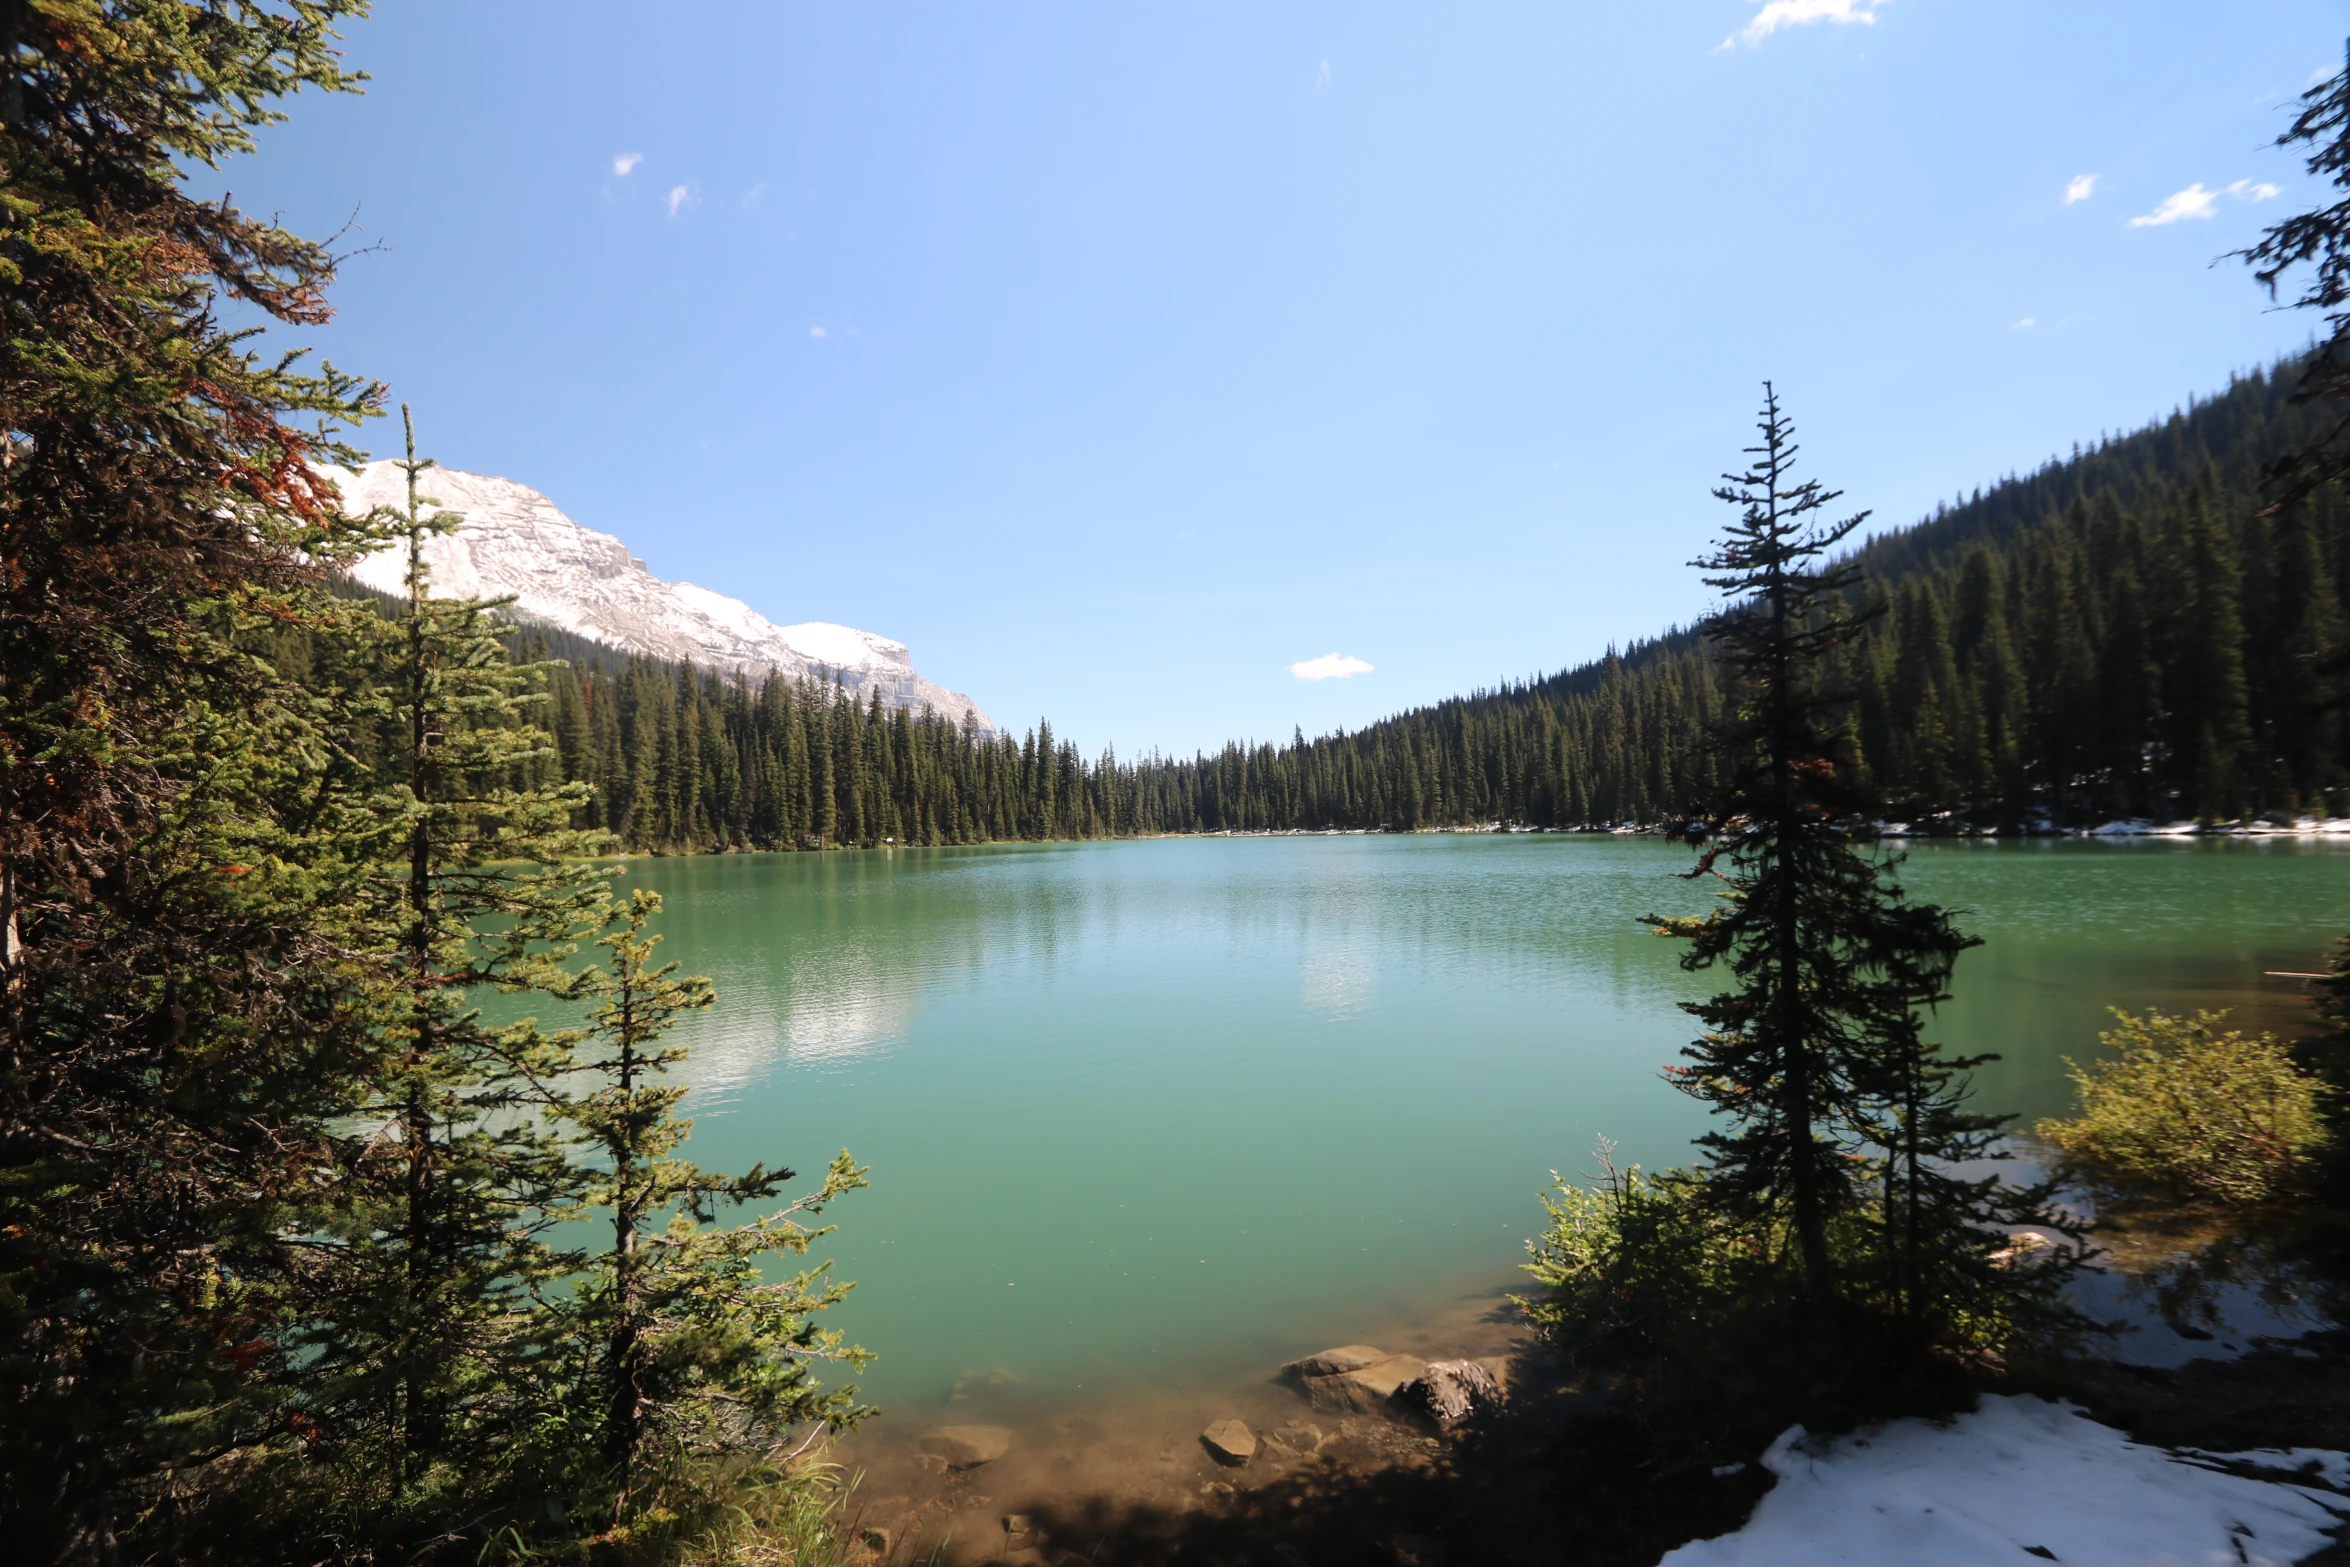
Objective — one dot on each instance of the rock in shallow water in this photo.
(967, 1447)
(1332, 1362)
(1231, 1441)
(1366, 1390)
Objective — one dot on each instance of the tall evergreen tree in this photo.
(456, 1181)
(1828, 959)
(679, 1349)
(2207, 694)
(174, 851)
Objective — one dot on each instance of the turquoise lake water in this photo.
(1155, 1113)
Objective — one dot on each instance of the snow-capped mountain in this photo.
(513, 540)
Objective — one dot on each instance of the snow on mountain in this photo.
(513, 540)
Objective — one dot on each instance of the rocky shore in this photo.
(1353, 1435)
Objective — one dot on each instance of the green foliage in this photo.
(2319, 241)
(1637, 1269)
(424, 1358)
(181, 846)
(1700, 1309)
(1827, 1262)
(284, 1271)
(2189, 1112)
(676, 1350)
(1805, 924)
(1698, 1312)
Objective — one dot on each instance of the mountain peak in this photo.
(514, 541)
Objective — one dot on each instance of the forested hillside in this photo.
(2121, 633)
(2118, 634)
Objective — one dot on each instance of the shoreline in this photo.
(1132, 1463)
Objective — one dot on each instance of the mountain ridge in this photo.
(515, 541)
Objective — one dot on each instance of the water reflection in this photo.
(1148, 1110)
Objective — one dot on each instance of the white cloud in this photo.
(2193, 202)
(681, 197)
(1330, 666)
(1776, 14)
(625, 164)
(2025, 325)
(2080, 188)
(752, 197)
(816, 331)
(2245, 190)
(1322, 75)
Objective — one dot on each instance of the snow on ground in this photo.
(2018, 1479)
(2303, 827)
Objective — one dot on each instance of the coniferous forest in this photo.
(2124, 633)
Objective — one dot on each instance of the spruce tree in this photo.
(1829, 961)
(456, 1181)
(677, 1347)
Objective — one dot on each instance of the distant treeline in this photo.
(2118, 634)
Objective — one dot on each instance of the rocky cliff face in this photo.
(515, 541)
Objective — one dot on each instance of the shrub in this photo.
(1694, 1305)
(2187, 1111)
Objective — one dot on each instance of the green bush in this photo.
(2186, 1111)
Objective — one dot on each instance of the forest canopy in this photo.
(2126, 632)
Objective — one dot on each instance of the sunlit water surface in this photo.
(1157, 1113)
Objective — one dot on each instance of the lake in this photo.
(1163, 1114)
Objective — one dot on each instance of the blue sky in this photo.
(1118, 357)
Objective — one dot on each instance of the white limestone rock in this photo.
(515, 541)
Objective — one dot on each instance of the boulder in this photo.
(1366, 1390)
(967, 1447)
(1331, 1362)
(1231, 1441)
(1450, 1390)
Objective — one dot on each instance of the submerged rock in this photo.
(1331, 1362)
(1231, 1441)
(1366, 1390)
(1450, 1390)
(967, 1447)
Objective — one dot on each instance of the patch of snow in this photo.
(514, 542)
(2019, 1478)
(719, 610)
(843, 647)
